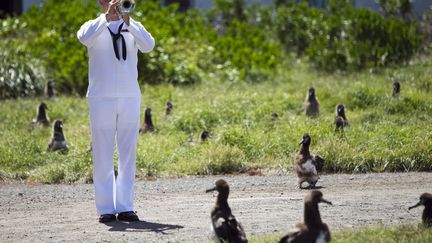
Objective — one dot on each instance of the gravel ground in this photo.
(177, 210)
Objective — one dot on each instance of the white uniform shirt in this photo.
(108, 76)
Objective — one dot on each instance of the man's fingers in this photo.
(114, 7)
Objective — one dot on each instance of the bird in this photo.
(340, 120)
(312, 229)
(147, 125)
(58, 141)
(49, 89)
(41, 118)
(311, 104)
(225, 226)
(204, 135)
(396, 88)
(425, 200)
(274, 115)
(307, 164)
(169, 108)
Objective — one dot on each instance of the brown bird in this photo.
(225, 226)
(425, 200)
(311, 104)
(396, 88)
(340, 120)
(274, 115)
(58, 141)
(313, 229)
(169, 108)
(49, 89)
(41, 116)
(307, 165)
(147, 125)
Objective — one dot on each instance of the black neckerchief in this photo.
(114, 38)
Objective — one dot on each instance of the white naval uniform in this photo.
(114, 99)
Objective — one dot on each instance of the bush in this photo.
(55, 41)
(297, 25)
(346, 37)
(56, 44)
(233, 42)
(20, 75)
(246, 47)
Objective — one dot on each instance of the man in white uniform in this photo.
(113, 40)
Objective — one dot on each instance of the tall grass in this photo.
(386, 133)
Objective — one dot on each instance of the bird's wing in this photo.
(307, 168)
(339, 121)
(318, 162)
(236, 229)
(228, 229)
(220, 227)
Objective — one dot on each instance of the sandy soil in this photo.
(177, 210)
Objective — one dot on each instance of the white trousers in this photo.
(114, 120)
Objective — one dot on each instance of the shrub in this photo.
(346, 37)
(233, 42)
(20, 74)
(297, 25)
(246, 47)
(56, 44)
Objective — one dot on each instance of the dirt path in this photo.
(177, 210)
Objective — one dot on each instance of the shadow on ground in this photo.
(142, 226)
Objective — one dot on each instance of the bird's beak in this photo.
(325, 201)
(211, 190)
(418, 204)
(302, 141)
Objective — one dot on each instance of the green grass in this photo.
(386, 133)
(378, 234)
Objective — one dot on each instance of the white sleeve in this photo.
(91, 29)
(143, 39)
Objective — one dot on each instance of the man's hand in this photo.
(113, 12)
(126, 18)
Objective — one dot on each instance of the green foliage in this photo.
(220, 159)
(383, 41)
(177, 56)
(246, 48)
(396, 7)
(346, 37)
(233, 41)
(227, 10)
(55, 41)
(297, 25)
(236, 77)
(402, 233)
(385, 134)
(20, 74)
(174, 60)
